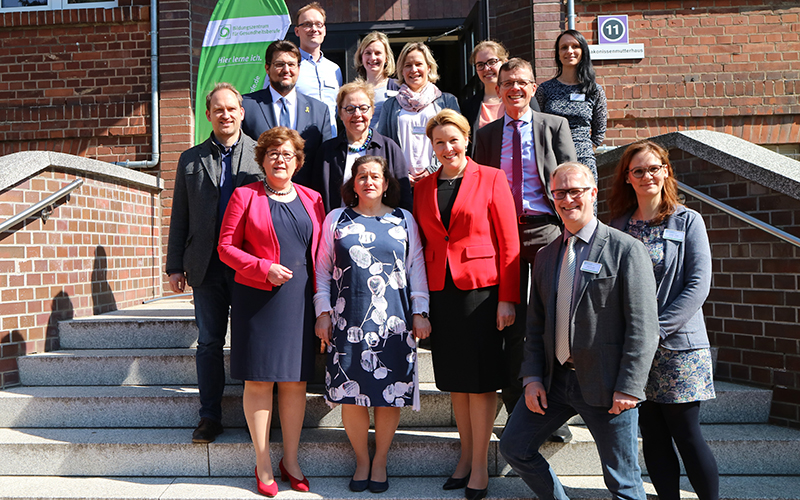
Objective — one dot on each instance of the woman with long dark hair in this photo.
(644, 203)
(575, 95)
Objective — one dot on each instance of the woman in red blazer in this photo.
(466, 216)
(269, 236)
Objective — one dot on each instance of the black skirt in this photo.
(467, 348)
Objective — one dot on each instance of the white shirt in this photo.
(291, 105)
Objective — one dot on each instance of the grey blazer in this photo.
(195, 201)
(686, 282)
(614, 324)
(552, 142)
(390, 112)
(313, 124)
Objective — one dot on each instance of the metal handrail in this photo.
(774, 231)
(41, 206)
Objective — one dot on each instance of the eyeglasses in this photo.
(308, 26)
(280, 65)
(639, 172)
(574, 193)
(351, 110)
(480, 66)
(286, 155)
(509, 84)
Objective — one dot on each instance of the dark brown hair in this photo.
(275, 137)
(281, 46)
(392, 198)
(623, 197)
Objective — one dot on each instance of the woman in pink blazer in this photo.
(269, 236)
(466, 216)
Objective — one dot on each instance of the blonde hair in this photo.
(496, 47)
(574, 166)
(433, 72)
(375, 36)
(357, 85)
(447, 117)
(313, 5)
(222, 86)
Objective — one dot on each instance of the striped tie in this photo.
(564, 302)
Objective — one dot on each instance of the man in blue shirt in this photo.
(319, 78)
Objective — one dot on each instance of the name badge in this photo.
(418, 130)
(577, 97)
(673, 235)
(392, 93)
(591, 267)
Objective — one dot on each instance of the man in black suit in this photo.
(528, 146)
(281, 105)
(205, 178)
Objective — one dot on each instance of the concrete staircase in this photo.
(110, 416)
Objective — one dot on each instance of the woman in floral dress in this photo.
(372, 306)
(644, 203)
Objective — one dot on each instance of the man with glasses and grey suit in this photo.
(527, 145)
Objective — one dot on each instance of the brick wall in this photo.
(751, 312)
(724, 65)
(353, 11)
(96, 253)
(76, 81)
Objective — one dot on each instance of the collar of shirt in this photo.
(306, 56)
(526, 118)
(291, 97)
(585, 233)
(225, 151)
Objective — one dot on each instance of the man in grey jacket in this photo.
(591, 337)
(205, 178)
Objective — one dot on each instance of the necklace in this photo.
(278, 193)
(364, 146)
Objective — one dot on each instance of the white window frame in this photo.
(61, 5)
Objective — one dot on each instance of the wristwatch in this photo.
(423, 314)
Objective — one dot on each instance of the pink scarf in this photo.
(417, 101)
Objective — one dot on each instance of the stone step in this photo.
(158, 325)
(175, 406)
(422, 488)
(754, 449)
(157, 366)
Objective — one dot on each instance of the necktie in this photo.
(516, 165)
(225, 183)
(564, 301)
(285, 120)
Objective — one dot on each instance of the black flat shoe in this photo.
(471, 494)
(561, 435)
(456, 483)
(359, 486)
(207, 431)
(376, 487)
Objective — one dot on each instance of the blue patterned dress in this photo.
(676, 376)
(372, 360)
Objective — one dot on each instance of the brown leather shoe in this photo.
(207, 431)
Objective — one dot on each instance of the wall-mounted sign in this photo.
(612, 37)
(612, 29)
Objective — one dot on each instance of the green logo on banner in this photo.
(233, 50)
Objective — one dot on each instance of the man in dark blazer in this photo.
(205, 178)
(591, 337)
(281, 104)
(545, 142)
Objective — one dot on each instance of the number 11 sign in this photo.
(612, 29)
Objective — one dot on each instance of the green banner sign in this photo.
(233, 50)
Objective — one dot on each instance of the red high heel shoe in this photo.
(269, 490)
(297, 484)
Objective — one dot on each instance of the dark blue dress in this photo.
(373, 357)
(272, 331)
